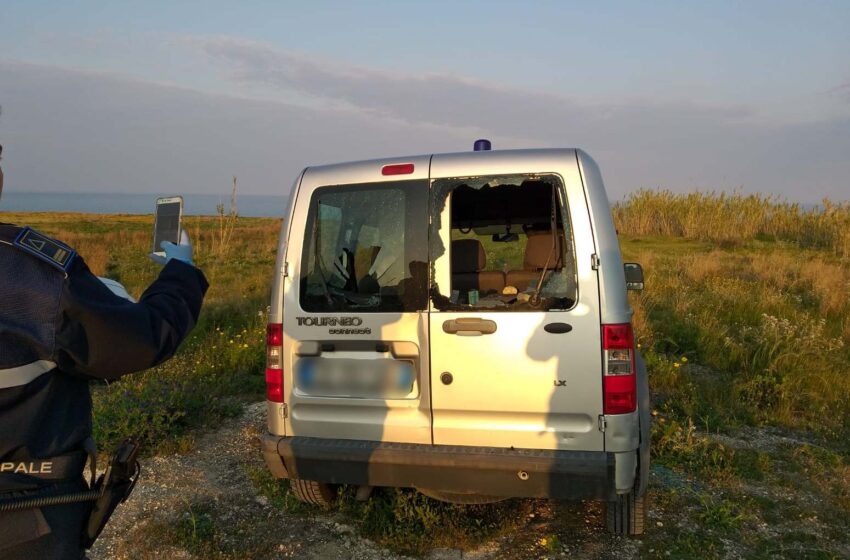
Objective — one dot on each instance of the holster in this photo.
(114, 486)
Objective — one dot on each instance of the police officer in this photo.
(59, 328)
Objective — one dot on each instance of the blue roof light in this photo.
(482, 145)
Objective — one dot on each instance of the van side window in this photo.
(510, 248)
(366, 248)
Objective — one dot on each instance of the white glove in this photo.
(181, 251)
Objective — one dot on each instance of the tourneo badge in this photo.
(49, 250)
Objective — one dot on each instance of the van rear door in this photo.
(506, 371)
(356, 357)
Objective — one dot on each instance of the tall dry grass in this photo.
(773, 324)
(735, 217)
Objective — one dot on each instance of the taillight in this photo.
(274, 362)
(397, 169)
(618, 380)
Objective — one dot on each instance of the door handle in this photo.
(558, 328)
(469, 326)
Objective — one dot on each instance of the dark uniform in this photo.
(60, 327)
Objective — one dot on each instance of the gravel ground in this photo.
(216, 475)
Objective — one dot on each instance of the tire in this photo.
(455, 498)
(314, 493)
(627, 514)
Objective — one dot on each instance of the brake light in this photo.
(619, 380)
(397, 169)
(274, 362)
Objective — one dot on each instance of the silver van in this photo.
(457, 323)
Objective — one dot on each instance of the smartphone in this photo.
(167, 222)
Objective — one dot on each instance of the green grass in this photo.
(195, 529)
(410, 523)
(205, 530)
(402, 519)
(276, 491)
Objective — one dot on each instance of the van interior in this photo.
(510, 246)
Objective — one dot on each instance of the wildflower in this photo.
(684, 359)
(677, 364)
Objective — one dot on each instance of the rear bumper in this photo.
(447, 468)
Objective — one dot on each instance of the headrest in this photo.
(538, 248)
(467, 256)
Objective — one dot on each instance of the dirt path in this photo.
(205, 505)
(216, 476)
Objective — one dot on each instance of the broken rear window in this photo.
(502, 244)
(366, 248)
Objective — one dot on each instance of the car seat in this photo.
(468, 260)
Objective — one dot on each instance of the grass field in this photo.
(745, 325)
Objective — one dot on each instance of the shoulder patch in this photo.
(49, 250)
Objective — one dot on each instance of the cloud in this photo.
(444, 99)
(842, 91)
(67, 129)
(678, 144)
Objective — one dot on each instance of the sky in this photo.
(179, 96)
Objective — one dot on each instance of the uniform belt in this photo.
(61, 467)
(21, 375)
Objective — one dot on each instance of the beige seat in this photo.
(468, 260)
(537, 250)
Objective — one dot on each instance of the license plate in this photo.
(351, 377)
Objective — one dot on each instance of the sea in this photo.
(131, 203)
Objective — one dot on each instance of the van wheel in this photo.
(455, 498)
(627, 514)
(312, 492)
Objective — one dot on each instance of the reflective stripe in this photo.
(62, 467)
(21, 375)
